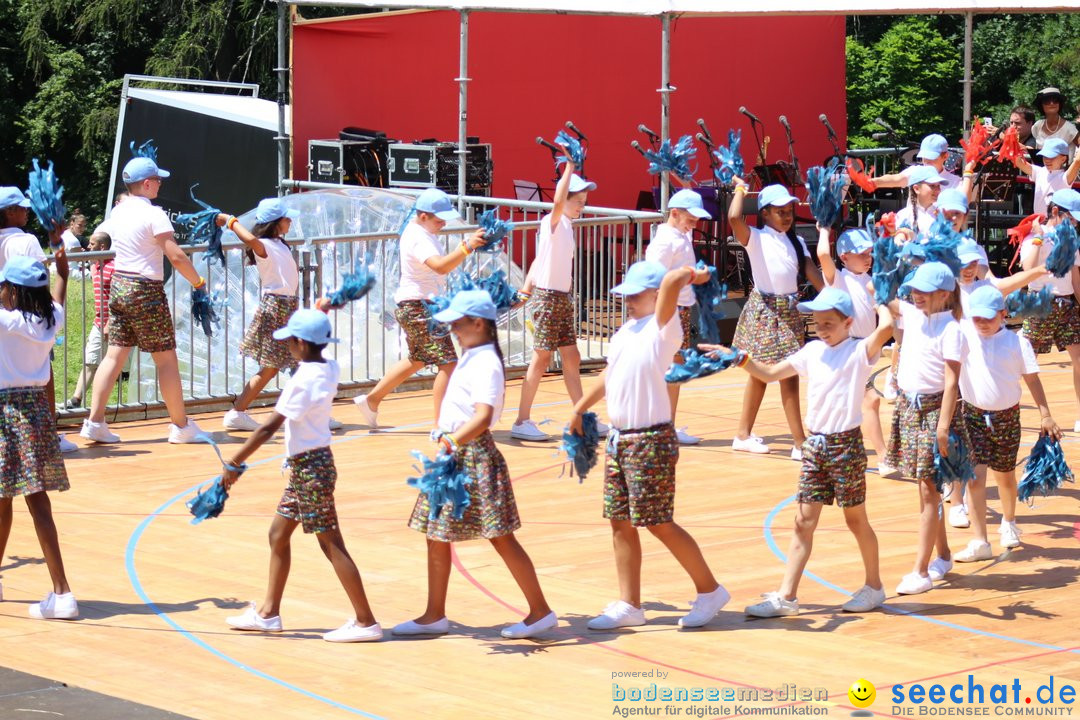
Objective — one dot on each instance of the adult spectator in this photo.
(1050, 101)
(72, 237)
(1022, 118)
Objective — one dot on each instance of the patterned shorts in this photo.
(639, 476)
(914, 434)
(139, 315)
(412, 316)
(30, 459)
(995, 436)
(834, 466)
(492, 511)
(685, 320)
(770, 327)
(553, 319)
(1061, 327)
(309, 497)
(258, 344)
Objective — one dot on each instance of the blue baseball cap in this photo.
(923, 174)
(854, 240)
(689, 201)
(970, 251)
(271, 209)
(26, 271)
(952, 199)
(932, 276)
(932, 147)
(142, 168)
(776, 195)
(307, 324)
(11, 195)
(641, 276)
(1067, 199)
(474, 303)
(986, 302)
(578, 184)
(1053, 147)
(829, 298)
(437, 203)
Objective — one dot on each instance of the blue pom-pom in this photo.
(709, 295)
(673, 158)
(573, 146)
(147, 150)
(941, 244)
(582, 450)
(1062, 257)
(498, 287)
(957, 467)
(827, 186)
(495, 229)
(503, 295)
(731, 161)
(354, 285)
(209, 502)
(47, 197)
(1023, 304)
(205, 308)
(443, 483)
(888, 270)
(203, 228)
(1045, 470)
(699, 365)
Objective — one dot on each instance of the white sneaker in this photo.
(98, 432)
(774, 605)
(335, 424)
(618, 614)
(686, 438)
(252, 620)
(409, 627)
(527, 430)
(239, 420)
(705, 607)
(939, 568)
(865, 599)
(188, 434)
(1010, 534)
(752, 444)
(520, 630)
(66, 445)
(958, 516)
(56, 607)
(796, 454)
(914, 584)
(350, 632)
(976, 550)
(887, 471)
(371, 417)
(891, 389)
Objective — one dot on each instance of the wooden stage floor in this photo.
(155, 590)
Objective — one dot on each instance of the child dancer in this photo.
(921, 211)
(470, 408)
(423, 275)
(1053, 175)
(770, 326)
(928, 377)
(990, 385)
(854, 246)
(30, 462)
(639, 488)
(548, 285)
(672, 246)
(836, 366)
(279, 280)
(308, 501)
(933, 152)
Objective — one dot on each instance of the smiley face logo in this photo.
(861, 693)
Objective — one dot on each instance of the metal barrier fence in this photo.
(212, 370)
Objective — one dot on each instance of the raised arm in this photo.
(739, 228)
(1074, 168)
(562, 189)
(1021, 279)
(668, 295)
(824, 255)
(230, 222)
(59, 288)
(882, 333)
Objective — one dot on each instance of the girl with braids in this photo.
(30, 462)
(770, 326)
(921, 210)
(471, 405)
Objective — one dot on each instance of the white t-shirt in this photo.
(673, 249)
(952, 180)
(1066, 131)
(773, 261)
(103, 227)
(71, 242)
(865, 321)
(928, 343)
(836, 384)
(305, 401)
(1046, 184)
(278, 274)
(24, 361)
(990, 375)
(638, 356)
(13, 241)
(418, 282)
(924, 221)
(553, 267)
(134, 226)
(1063, 286)
(478, 378)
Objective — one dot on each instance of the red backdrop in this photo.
(532, 72)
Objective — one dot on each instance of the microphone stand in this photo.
(791, 152)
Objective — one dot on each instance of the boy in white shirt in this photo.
(1053, 175)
